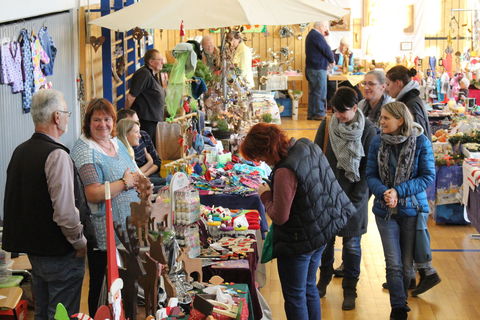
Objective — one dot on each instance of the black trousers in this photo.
(151, 128)
(97, 264)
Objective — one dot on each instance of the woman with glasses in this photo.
(375, 96)
(401, 87)
(147, 95)
(345, 138)
(99, 157)
(400, 167)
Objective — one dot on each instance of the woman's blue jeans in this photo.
(298, 277)
(398, 240)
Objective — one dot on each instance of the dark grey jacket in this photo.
(320, 208)
(357, 192)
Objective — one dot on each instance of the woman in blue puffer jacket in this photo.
(400, 167)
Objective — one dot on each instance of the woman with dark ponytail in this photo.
(401, 87)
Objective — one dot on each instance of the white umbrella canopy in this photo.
(203, 14)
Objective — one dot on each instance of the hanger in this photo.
(5, 40)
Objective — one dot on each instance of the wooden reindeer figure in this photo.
(157, 252)
(191, 266)
(133, 268)
(141, 211)
(149, 283)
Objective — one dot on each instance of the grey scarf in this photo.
(403, 170)
(346, 141)
(408, 87)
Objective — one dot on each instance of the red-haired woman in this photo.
(307, 207)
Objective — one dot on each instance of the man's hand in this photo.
(81, 253)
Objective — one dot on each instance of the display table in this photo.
(233, 201)
(471, 191)
(239, 271)
(242, 291)
(354, 79)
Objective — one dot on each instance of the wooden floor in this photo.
(456, 257)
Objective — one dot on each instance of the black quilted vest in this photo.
(28, 211)
(320, 208)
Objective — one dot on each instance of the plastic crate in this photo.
(287, 106)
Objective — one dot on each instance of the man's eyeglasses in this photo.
(69, 113)
(369, 83)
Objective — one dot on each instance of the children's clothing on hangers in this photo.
(11, 66)
(49, 46)
(27, 67)
(38, 56)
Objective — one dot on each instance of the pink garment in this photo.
(279, 203)
(11, 66)
(38, 55)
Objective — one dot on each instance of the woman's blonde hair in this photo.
(123, 128)
(400, 111)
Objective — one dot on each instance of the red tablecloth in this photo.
(474, 93)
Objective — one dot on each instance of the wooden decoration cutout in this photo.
(140, 211)
(139, 33)
(103, 313)
(216, 280)
(149, 283)
(191, 266)
(134, 268)
(97, 42)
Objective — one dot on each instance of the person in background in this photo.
(300, 203)
(319, 57)
(375, 95)
(339, 55)
(99, 157)
(242, 57)
(211, 54)
(146, 156)
(399, 85)
(41, 209)
(400, 167)
(147, 95)
(345, 139)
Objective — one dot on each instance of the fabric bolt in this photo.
(49, 46)
(11, 66)
(38, 56)
(27, 69)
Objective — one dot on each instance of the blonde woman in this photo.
(129, 133)
(400, 167)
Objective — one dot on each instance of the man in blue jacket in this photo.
(319, 57)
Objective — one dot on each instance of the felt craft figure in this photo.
(240, 223)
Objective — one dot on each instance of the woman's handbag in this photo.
(267, 251)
